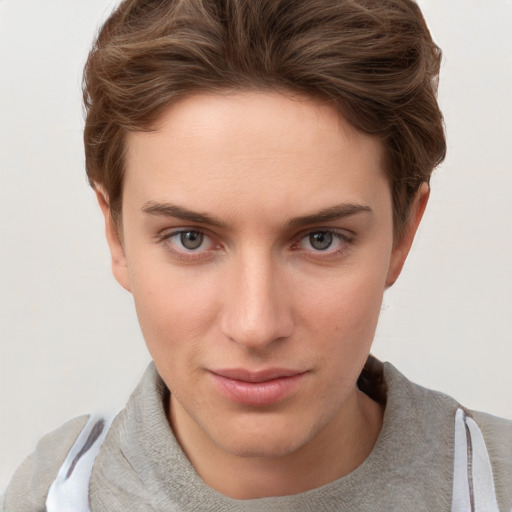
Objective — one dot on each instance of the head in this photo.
(262, 167)
(373, 61)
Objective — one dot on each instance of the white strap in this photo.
(70, 490)
(473, 483)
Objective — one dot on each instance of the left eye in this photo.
(322, 241)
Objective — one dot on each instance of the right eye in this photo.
(190, 240)
(188, 243)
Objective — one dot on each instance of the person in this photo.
(262, 168)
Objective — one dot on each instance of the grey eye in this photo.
(320, 240)
(191, 239)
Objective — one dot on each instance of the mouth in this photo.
(259, 388)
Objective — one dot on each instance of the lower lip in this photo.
(257, 393)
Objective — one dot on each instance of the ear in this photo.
(119, 265)
(402, 247)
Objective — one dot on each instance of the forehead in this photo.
(263, 149)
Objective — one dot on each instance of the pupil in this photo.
(191, 239)
(321, 240)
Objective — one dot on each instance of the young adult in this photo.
(262, 168)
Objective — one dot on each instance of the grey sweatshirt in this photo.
(141, 467)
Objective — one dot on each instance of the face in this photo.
(257, 242)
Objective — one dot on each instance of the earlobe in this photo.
(402, 248)
(118, 258)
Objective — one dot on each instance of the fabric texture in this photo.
(141, 467)
(70, 490)
(473, 482)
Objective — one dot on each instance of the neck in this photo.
(344, 444)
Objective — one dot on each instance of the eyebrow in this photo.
(179, 212)
(327, 214)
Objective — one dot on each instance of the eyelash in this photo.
(184, 254)
(345, 240)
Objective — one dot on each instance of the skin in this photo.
(257, 292)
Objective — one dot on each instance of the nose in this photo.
(257, 309)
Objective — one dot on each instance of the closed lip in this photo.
(264, 375)
(257, 388)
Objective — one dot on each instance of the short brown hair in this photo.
(373, 60)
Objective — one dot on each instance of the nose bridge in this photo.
(256, 311)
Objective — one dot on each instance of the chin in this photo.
(264, 440)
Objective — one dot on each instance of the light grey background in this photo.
(70, 342)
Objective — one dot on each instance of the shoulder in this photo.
(431, 415)
(497, 433)
(29, 486)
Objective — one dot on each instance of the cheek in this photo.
(344, 329)
(344, 313)
(175, 307)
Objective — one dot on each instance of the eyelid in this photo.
(346, 238)
(345, 234)
(165, 236)
(170, 232)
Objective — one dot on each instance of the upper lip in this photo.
(258, 375)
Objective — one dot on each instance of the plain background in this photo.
(70, 342)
